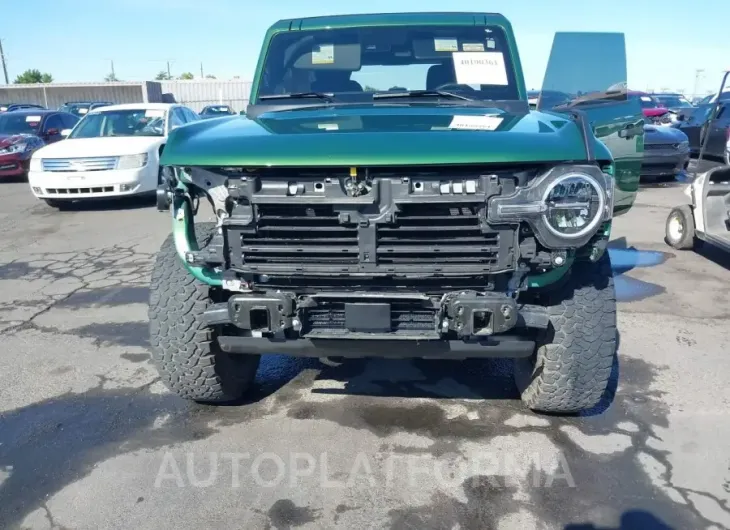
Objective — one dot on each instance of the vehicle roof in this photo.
(139, 106)
(387, 19)
(34, 112)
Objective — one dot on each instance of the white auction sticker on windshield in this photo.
(32, 119)
(154, 113)
(491, 44)
(446, 45)
(645, 98)
(83, 111)
(323, 54)
(328, 126)
(476, 123)
(480, 68)
(472, 47)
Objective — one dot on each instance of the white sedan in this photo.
(112, 152)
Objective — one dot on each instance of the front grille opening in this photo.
(300, 234)
(79, 191)
(406, 316)
(437, 233)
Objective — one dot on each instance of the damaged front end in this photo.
(435, 261)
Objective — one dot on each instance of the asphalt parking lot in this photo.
(89, 438)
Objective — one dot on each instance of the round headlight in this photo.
(575, 205)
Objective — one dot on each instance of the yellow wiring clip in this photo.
(353, 172)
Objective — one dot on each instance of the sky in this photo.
(76, 40)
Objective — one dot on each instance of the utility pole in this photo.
(2, 59)
(168, 70)
(698, 73)
(113, 75)
(201, 71)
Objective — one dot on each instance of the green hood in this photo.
(376, 135)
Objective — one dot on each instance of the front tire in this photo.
(184, 350)
(680, 228)
(571, 366)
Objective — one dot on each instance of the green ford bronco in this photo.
(390, 193)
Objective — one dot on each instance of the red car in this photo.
(650, 106)
(22, 132)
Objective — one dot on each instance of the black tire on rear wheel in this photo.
(571, 366)
(680, 228)
(184, 350)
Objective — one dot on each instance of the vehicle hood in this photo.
(10, 139)
(108, 146)
(663, 135)
(376, 135)
(653, 113)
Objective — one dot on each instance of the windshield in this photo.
(673, 101)
(221, 109)
(128, 122)
(16, 123)
(78, 110)
(352, 64)
(648, 102)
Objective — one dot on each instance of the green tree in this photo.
(111, 78)
(186, 76)
(33, 76)
(163, 76)
(210, 76)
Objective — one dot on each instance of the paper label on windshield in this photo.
(3, 109)
(446, 45)
(32, 119)
(480, 68)
(323, 54)
(476, 123)
(154, 113)
(328, 126)
(83, 111)
(472, 47)
(491, 44)
(645, 98)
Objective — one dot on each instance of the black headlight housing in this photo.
(565, 206)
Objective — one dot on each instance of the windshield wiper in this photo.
(300, 95)
(420, 94)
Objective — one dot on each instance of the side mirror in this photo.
(66, 132)
(53, 132)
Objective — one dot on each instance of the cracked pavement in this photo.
(89, 438)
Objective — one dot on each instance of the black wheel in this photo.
(184, 350)
(571, 366)
(680, 228)
(59, 205)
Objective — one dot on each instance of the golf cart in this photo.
(707, 217)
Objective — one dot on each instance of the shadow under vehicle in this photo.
(390, 193)
(706, 218)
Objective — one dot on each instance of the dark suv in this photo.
(696, 126)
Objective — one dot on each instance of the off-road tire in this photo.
(571, 366)
(685, 239)
(184, 350)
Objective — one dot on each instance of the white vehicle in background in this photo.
(707, 216)
(112, 152)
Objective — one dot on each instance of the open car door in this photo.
(587, 76)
